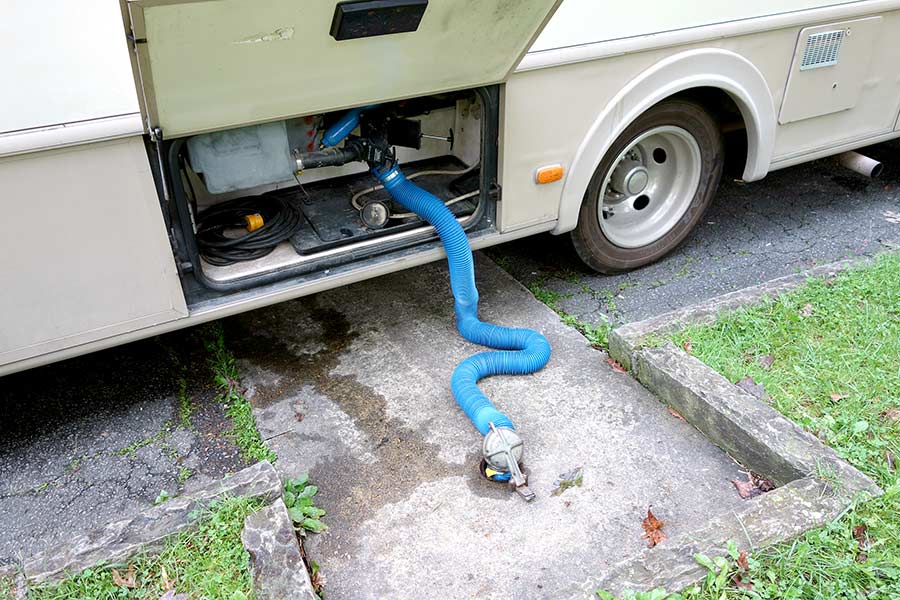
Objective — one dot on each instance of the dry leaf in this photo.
(743, 568)
(807, 310)
(126, 581)
(860, 534)
(755, 389)
(745, 489)
(164, 577)
(754, 486)
(765, 361)
(891, 216)
(764, 485)
(889, 458)
(173, 595)
(688, 347)
(676, 414)
(738, 581)
(837, 397)
(652, 529)
(615, 365)
(891, 414)
(318, 581)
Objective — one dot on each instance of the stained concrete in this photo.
(352, 387)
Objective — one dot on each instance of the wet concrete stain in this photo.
(349, 488)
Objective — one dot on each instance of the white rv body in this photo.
(87, 256)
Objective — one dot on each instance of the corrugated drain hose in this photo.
(518, 351)
(521, 351)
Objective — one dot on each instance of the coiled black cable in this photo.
(281, 220)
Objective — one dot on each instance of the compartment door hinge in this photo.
(156, 136)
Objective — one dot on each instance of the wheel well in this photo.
(725, 110)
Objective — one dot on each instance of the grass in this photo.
(130, 449)
(244, 432)
(7, 589)
(185, 405)
(836, 372)
(206, 563)
(835, 345)
(597, 335)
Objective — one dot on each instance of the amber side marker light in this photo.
(548, 174)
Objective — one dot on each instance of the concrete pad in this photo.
(352, 386)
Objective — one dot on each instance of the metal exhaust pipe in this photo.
(860, 164)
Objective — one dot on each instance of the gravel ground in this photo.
(794, 219)
(89, 440)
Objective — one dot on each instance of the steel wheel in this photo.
(650, 187)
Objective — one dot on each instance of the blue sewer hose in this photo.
(519, 351)
(523, 351)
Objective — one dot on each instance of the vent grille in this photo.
(822, 49)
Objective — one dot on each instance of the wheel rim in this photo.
(649, 187)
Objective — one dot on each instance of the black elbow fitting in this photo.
(327, 157)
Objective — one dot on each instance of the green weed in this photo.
(7, 589)
(206, 563)
(237, 407)
(597, 335)
(184, 474)
(298, 497)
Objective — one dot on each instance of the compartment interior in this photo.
(343, 219)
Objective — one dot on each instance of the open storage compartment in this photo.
(229, 87)
(345, 220)
(213, 64)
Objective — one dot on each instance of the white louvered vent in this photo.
(822, 49)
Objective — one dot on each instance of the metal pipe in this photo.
(860, 164)
(326, 157)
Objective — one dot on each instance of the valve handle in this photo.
(502, 450)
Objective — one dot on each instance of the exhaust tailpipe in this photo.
(860, 164)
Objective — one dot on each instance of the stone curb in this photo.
(815, 484)
(121, 540)
(277, 566)
(783, 513)
(746, 428)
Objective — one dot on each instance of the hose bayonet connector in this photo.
(502, 451)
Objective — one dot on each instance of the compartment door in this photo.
(207, 65)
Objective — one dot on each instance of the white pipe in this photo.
(860, 164)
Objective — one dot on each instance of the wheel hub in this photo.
(649, 187)
(630, 178)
